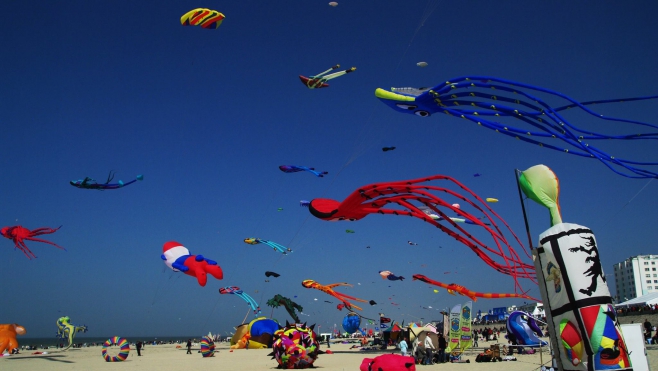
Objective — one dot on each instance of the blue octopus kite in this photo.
(295, 168)
(88, 183)
(480, 99)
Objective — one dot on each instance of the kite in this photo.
(541, 185)
(279, 209)
(236, 291)
(295, 169)
(525, 329)
(88, 183)
(288, 304)
(387, 275)
(320, 80)
(178, 258)
(274, 245)
(349, 231)
(295, 346)
(461, 290)
(489, 199)
(304, 203)
(412, 243)
(372, 302)
(421, 64)
(8, 333)
(351, 322)
(386, 149)
(328, 289)
(270, 274)
(333, 3)
(482, 99)
(19, 234)
(204, 18)
(410, 196)
(477, 175)
(67, 331)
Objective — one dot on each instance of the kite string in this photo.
(627, 203)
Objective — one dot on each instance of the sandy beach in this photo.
(168, 357)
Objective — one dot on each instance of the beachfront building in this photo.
(636, 276)
(536, 309)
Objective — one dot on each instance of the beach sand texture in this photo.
(167, 357)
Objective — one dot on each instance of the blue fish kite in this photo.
(88, 183)
(497, 103)
(295, 168)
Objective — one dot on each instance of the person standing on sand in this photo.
(139, 348)
(189, 346)
(403, 347)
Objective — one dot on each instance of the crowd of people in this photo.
(637, 309)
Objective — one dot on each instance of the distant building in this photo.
(536, 309)
(636, 276)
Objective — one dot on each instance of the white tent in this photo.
(640, 301)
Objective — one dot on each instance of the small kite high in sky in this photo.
(387, 275)
(88, 183)
(328, 289)
(410, 195)
(490, 101)
(461, 290)
(237, 292)
(19, 234)
(320, 80)
(204, 18)
(272, 274)
(295, 169)
(280, 248)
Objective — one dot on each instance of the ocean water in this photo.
(42, 343)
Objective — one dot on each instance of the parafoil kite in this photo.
(421, 64)
(387, 275)
(19, 234)
(320, 80)
(461, 290)
(372, 302)
(349, 231)
(289, 305)
(412, 243)
(67, 331)
(333, 3)
(295, 169)
(272, 274)
(328, 289)
(204, 18)
(178, 258)
(236, 291)
(8, 333)
(304, 203)
(525, 329)
(280, 248)
(481, 99)
(386, 149)
(491, 199)
(409, 195)
(88, 183)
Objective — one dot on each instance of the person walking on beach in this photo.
(428, 350)
(189, 346)
(403, 347)
(139, 348)
(475, 339)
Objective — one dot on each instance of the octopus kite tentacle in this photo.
(373, 198)
(19, 234)
(328, 289)
(470, 98)
(461, 290)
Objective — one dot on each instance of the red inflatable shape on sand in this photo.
(178, 258)
(388, 362)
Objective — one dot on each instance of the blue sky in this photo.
(208, 116)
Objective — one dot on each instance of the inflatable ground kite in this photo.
(8, 333)
(295, 346)
(67, 331)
